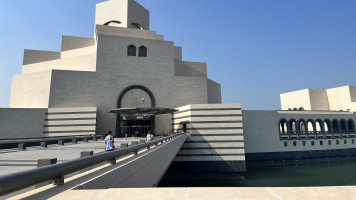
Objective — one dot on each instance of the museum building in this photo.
(127, 66)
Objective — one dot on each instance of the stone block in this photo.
(46, 162)
(44, 144)
(86, 153)
(21, 146)
(124, 145)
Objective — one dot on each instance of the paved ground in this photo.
(12, 160)
(248, 193)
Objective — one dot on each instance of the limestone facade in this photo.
(333, 99)
(93, 72)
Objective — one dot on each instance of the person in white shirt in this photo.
(109, 142)
(148, 138)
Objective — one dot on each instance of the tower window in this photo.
(131, 50)
(142, 51)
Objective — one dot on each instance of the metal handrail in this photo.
(40, 139)
(14, 182)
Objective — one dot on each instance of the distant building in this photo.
(334, 99)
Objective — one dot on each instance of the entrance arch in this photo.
(135, 96)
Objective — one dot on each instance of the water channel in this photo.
(299, 175)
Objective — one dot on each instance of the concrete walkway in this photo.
(13, 160)
(262, 193)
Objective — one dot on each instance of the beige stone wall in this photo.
(31, 90)
(134, 33)
(296, 99)
(353, 93)
(70, 42)
(125, 11)
(94, 72)
(214, 92)
(334, 99)
(339, 98)
(216, 132)
(138, 14)
(36, 56)
(261, 131)
(112, 10)
(21, 122)
(318, 99)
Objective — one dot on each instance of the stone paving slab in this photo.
(252, 193)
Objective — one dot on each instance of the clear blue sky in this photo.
(256, 49)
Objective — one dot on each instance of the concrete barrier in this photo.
(44, 144)
(21, 146)
(86, 153)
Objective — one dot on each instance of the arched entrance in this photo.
(135, 96)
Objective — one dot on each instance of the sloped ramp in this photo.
(144, 170)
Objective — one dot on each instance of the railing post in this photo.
(84, 154)
(85, 139)
(95, 138)
(21, 146)
(74, 141)
(60, 142)
(44, 144)
(43, 163)
(58, 181)
(148, 147)
(112, 161)
(46, 162)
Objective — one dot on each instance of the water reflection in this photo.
(300, 175)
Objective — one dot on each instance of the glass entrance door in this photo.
(136, 127)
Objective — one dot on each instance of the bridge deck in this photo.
(13, 160)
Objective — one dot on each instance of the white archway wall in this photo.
(136, 98)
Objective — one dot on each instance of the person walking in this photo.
(148, 137)
(109, 142)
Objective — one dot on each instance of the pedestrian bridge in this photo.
(141, 165)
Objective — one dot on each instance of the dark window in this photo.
(142, 51)
(113, 21)
(345, 141)
(351, 125)
(329, 142)
(312, 143)
(352, 141)
(321, 142)
(337, 141)
(294, 143)
(303, 143)
(138, 26)
(131, 50)
(285, 144)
